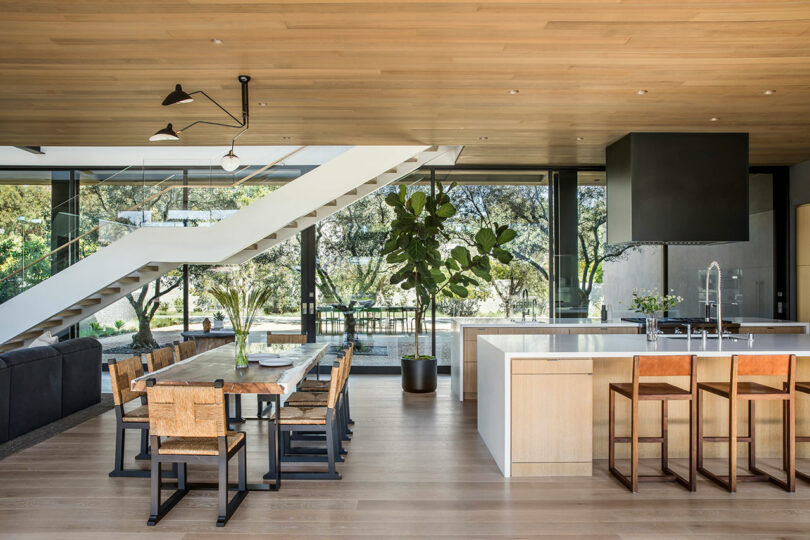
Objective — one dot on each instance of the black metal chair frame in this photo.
(120, 443)
(332, 433)
(226, 508)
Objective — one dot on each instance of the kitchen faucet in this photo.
(716, 265)
(525, 301)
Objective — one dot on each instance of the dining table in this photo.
(219, 363)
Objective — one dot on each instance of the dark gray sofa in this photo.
(47, 383)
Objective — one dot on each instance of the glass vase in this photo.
(652, 326)
(240, 348)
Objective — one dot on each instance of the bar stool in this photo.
(804, 388)
(654, 366)
(733, 391)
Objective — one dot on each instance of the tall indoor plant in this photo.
(241, 302)
(417, 244)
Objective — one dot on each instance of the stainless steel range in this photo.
(680, 325)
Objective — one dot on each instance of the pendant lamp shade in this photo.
(178, 96)
(229, 161)
(165, 134)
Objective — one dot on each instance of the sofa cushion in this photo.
(35, 388)
(81, 373)
(4, 400)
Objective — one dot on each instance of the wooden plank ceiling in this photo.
(93, 72)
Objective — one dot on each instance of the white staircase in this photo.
(147, 253)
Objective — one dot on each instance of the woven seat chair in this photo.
(188, 424)
(184, 350)
(316, 397)
(159, 359)
(323, 420)
(122, 372)
(277, 339)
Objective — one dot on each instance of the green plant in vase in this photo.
(241, 302)
(651, 304)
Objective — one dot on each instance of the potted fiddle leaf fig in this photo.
(418, 246)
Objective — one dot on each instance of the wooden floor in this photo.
(416, 468)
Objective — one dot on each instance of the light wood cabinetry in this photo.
(772, 329)
(552, 417)
(471, 344)
(803, 262)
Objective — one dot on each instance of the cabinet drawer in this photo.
(604, 330)
(533, 331)
(539, 366)
(772, 329)
(552, 419)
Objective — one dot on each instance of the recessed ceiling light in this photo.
(769, 92)
(641, 92)
(216, 41)
(514, 91)
(580, 138)
(285, 138)
(714, 119)
(262, 104)
(483, 138)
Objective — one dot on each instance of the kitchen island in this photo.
(543, 399)
(465, 331)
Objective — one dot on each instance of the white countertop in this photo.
(623, 346)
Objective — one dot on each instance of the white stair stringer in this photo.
(150, 252)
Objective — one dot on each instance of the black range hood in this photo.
(677, 188)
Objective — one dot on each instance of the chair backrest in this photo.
(347, 367)
(335, 382)
(186, 411)
(665, 366)
(671, 365)
(756, 364)
(184, 350)
(159, 359)
(285, 338)
(122, 372)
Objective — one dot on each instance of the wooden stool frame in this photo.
(226, 508)
(655, 366)
(762, 365)
(803, 388)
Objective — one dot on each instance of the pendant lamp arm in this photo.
(235, 119)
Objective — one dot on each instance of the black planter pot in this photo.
(419, 376)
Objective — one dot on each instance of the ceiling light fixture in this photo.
(165, 134)
(177, 96)
(769, 92)
(216, 41)
(714, 119)
(514, 91)
(580, 138)
(262, 104)
(641, 92)
(230, 161)
(483, 138)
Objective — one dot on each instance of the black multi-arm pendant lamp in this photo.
(229, 161)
